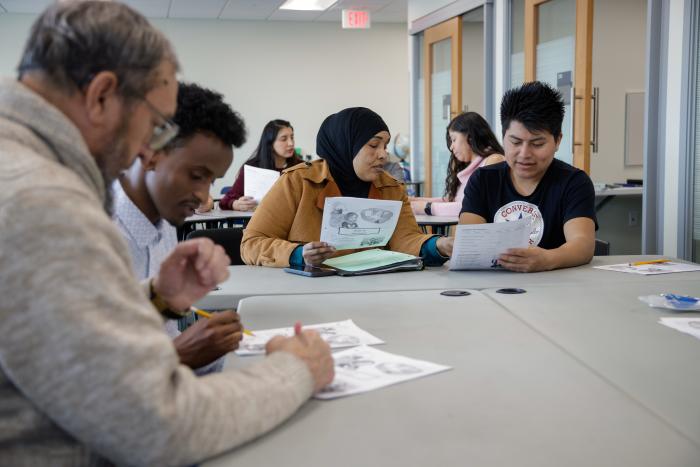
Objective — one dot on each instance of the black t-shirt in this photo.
(564, 193)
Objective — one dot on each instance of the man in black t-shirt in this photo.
(559, 198)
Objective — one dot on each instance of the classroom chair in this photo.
(602, 248)
(229, 238)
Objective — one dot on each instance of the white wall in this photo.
(301, 72)
(419, 8)
(619, 57)
(473, 66)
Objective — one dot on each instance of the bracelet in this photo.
(428, 208)
(161, 305)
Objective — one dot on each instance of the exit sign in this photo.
(356, 19)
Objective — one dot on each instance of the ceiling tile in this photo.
(25, 6)
(150, 8)
(250, 9)
(371, 5)
(330, 15)
(196, 9)
(294, 15)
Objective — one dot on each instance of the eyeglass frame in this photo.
(164, 133)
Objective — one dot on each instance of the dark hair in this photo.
(481, 139)
(536, 105)
(201, 110)
(264, 155)
(73, 41)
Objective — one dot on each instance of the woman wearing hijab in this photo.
(286, 227)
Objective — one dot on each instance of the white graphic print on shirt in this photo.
(517, 210)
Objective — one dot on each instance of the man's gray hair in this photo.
(72, 41)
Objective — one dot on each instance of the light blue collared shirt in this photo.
(149, 245)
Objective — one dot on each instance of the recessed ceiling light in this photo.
(319, 5)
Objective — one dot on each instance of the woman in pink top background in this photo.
(275, 151)
(472, 144)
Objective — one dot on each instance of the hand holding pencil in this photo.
(209, 339)
(206, 314)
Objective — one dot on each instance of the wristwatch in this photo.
(428, 207)
(161, 305)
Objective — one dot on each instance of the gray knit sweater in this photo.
(87, 375)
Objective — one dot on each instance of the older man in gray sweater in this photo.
(87, 375)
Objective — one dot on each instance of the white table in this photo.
(248, 281)
(214, 219)
(620, 191)
(608, 194)
(513, 397)
(219, 215)
(608, 329)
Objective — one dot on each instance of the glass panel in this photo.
(696, 189)
(473, 61)
(441, 93)
(517, 40)
(555, 59)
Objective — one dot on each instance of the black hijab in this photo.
(340, 138)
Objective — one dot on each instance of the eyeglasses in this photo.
(163, 133)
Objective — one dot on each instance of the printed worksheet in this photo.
(363, 369)
(337, 334)
(650, 269)
(478, 246)
(258, 181)
(358, 222)
(686, 325)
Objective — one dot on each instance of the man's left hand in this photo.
(191, 270)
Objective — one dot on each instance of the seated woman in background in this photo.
(472, 144)
(286, 227)
(275, 151)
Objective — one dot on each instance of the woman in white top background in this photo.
(472, 144)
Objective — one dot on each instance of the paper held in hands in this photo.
(363, 369)
(337, 334)
(478, 246)
(258, 181)
(358, 222)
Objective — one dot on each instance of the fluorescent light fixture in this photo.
(319, 5)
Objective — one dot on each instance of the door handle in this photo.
(596, 122)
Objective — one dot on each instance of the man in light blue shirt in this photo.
(160, 190)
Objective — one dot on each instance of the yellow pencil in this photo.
(653, 261)
(206, 314)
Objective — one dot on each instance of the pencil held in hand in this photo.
(653, 261)
(206, 314)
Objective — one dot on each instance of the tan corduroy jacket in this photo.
(290, 215)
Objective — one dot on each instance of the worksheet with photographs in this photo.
(258, 181)
(358, 222)
(478, 246)
(362, 369)
(337, 334)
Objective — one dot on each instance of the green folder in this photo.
(374, 261)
